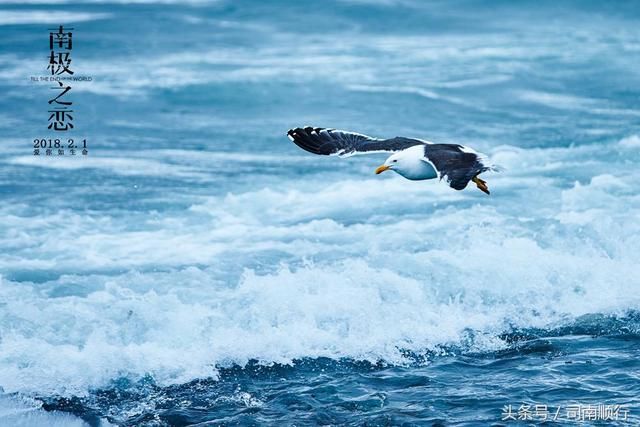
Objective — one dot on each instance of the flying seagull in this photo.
(414, 159)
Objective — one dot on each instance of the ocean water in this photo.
(198, 268)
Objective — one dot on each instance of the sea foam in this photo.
(361, 268)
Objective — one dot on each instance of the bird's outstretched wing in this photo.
(456, 164)
(341, 143)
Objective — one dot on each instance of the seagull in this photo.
(414, 159)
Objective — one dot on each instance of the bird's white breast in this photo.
(414, 165)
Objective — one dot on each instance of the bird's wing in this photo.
(455, 163)
(341, 143)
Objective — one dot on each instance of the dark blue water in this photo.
(555, 368)
(197, 267)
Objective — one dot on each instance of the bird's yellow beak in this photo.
(382, 169)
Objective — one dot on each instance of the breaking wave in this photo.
(359, 269)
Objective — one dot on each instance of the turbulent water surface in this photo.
(197, 267)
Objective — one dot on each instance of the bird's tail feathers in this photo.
(487, 165)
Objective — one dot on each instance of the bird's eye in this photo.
(395, 161)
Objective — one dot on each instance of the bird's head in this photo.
(393, 162)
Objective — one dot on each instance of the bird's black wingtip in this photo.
(308, 138)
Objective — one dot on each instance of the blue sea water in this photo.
(196, 268)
